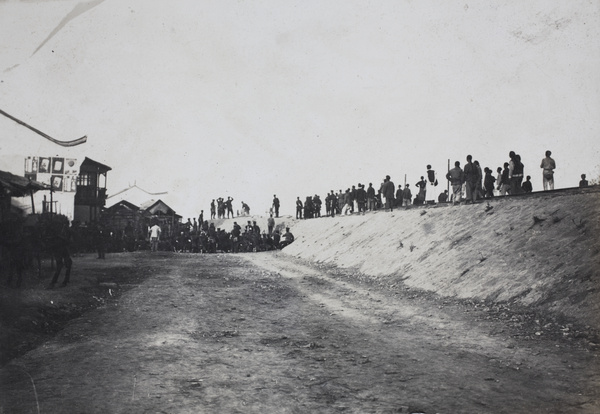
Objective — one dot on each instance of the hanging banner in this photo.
(58, 172)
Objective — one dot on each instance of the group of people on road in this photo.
(207, 238)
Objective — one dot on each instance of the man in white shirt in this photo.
(154, 233)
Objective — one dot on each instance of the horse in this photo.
(56, 237)
(20, 244)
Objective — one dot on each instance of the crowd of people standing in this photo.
(468, 185)
(509, 180)
(207, 238)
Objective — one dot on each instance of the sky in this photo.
(207, 99)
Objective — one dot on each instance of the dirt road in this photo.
(264, 333)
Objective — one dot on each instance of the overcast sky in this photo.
(253, 98)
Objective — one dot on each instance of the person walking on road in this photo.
(154, 234)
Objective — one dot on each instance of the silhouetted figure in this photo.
(287, 237)
(488, 183)
(515, 175)
(443, 197)
(422, 186)
(456, 178)
(276, 205)
(371, 197)
(548, 165)
(472, 179)
(527, 187)
(406, 195)
(299, 207)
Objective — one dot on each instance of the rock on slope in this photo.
(541, 251)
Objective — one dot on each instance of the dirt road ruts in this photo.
(264, 333)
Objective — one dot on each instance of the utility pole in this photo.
(448, 182)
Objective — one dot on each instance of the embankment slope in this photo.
(540, 251)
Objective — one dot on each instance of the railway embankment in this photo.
(541, 251)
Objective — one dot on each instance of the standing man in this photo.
(390, 188)
(381, 192)
(101, 234)
(352, 199)
(422, 185)
(276, 206)
(317, 203)
(229, 207)
(548, 165)
(515, 173)
(220, 207)
(504, 186)
(213, 210)
(154, 234)
(406, 195)
(235, 237)
(526, 186)
(309, 208)
(480, 192)
(371, 197)
(334, 203)
(488, 183)
(472, 179)
(298, 208)
(340, 201)
(271, 224)
(456, 178)
(347, 209)
(361, 198)
(399, 196)
(431, 177)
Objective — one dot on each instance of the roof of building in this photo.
(158, 207)
(89, 165)
(136, 187)
(123, 204)
(20, 186)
